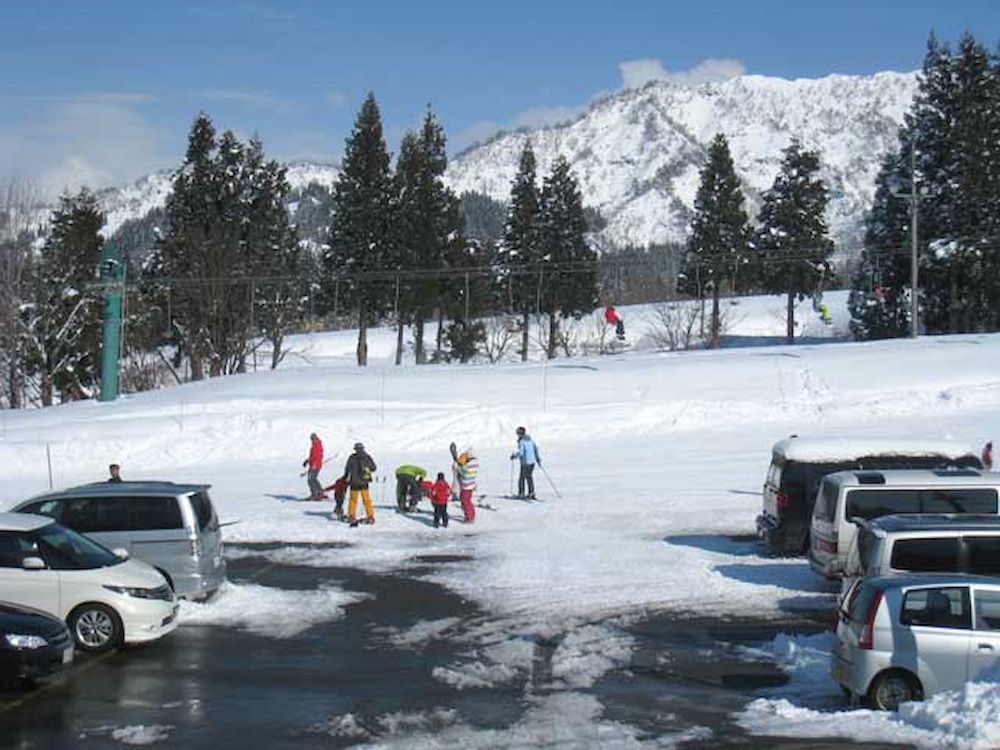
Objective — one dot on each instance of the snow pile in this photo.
(961, 719)
(141, 735)
(277, 613)
(589, 652)
(501, 663)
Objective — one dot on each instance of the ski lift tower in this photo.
(112, 286)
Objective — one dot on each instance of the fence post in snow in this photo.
(48, 460)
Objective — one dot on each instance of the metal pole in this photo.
(112, 274)
(914, 287)
(48, 459)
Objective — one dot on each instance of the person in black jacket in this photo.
(358, 472)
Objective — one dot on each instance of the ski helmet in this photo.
(521, 431)
(359, 447)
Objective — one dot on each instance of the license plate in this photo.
(67, 656)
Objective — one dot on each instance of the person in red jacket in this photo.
(314, 464)
(339, 493)
(440, 495)
(988, 456)
(613, 319)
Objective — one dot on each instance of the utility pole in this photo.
(914, 288)
(111, 285)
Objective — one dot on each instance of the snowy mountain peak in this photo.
(637, 154)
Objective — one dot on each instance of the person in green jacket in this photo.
(408, 490)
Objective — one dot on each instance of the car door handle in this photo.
(985, 647)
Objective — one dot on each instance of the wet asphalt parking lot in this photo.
(220, 688)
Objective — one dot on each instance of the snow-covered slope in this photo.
(637, 154)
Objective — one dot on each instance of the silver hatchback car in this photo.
(907, 637)
(173, 527)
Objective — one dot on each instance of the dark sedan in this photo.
(32, 644)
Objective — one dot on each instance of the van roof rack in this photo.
(870, 477)
(957, 473)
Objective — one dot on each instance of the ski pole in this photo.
(551, 483)
(322, 464)
(512, 476)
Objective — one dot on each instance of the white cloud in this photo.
(260, 100)
(637, 73)
(96, 140)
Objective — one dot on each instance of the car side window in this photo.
(925, 555)
(873, 503)
(984, 554)
(987, 610)
(50, 508)
(940, 608)
(149, 513)
(80, 514)
(10, 551)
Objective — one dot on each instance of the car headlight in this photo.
(16, 640)
(137, 593)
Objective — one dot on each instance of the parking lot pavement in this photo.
(221, 687)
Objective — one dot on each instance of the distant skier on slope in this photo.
(440, 495)
(613, 318)
(465, 468)
(528, 455)
(988, 456)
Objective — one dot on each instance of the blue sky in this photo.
(105, 91)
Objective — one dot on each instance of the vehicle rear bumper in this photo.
(779, 537)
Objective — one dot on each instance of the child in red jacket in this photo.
(339, 493)
(440, 495)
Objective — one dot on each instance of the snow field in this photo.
(659, 458)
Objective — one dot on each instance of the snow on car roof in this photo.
(22, 521)
(845, 449)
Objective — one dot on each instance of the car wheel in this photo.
(96, 627)
(892, 688)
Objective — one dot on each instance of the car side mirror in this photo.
(33, 563)
(121, 553)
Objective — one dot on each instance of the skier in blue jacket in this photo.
(527, 453)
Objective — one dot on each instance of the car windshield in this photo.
(64, 549)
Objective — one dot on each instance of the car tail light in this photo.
(826, 545)
(781, 501)
(868, 631)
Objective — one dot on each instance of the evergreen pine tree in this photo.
(879, 300)
(792, 236)
(428, 222)
(519, 252)
(65, 321)
(568, 264)
(361, 237)
(720, 231)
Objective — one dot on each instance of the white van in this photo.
(924, 543)
(849, 495)
(104, 599)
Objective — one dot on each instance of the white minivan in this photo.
(105, 600)
(907, 637)
(848, 495)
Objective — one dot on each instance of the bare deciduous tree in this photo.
(19, 200)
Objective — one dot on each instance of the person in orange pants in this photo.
(358, 470)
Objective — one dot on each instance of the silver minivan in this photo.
(924, 543)
(904, 638)
(171, 526)
(846, 496)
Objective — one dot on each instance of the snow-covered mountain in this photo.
(139, 198)
(637, 154)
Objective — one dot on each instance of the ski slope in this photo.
(659, 458)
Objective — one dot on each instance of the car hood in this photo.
(134, 573)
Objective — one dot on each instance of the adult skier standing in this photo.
(358, 470)
(314, 463)
(528, 455)
(467, 468)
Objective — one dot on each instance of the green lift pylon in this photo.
(112, 287)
